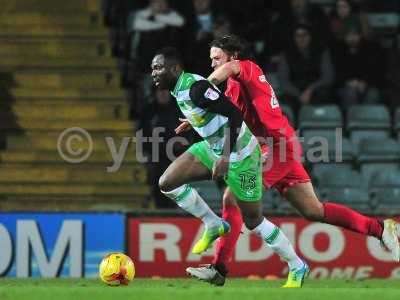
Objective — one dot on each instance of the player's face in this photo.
(218, 57)
(161, 73)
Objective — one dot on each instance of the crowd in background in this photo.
(313, 52)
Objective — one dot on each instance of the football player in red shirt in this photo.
(253, 95)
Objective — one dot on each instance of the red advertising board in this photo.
(162, 247)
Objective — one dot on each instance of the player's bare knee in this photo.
(252, 219)
(252, 213)
(164, 183)
(252, 222)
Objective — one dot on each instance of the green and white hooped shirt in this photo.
(210, 126)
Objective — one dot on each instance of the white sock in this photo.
(189, 199)
(279, 243)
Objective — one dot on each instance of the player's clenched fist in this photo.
(183, 127)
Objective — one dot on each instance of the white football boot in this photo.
(207, 273)
(390, 237)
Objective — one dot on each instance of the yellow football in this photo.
(116, 269)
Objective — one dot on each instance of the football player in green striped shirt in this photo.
(228, 151)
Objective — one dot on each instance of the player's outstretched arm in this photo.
(222, 73)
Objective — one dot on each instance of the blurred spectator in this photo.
(284, 16)
(200, 36)
(222, 26)
(251, 22)
(304, 12)
(391, 6)
(115, 15)
(163, 113)
(345, 16)
(360, 67)
(305, 71)
(204, 18)
(394, 73)
(208, 26)
(155, 26)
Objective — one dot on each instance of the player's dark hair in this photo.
(171, 55)
(231, 44)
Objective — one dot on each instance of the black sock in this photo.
(222, 269)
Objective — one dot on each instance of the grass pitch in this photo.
(191, 289)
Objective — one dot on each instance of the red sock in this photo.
(227, 243)
(340, 215)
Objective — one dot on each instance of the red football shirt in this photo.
(253, 95)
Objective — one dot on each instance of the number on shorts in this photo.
(247, 182)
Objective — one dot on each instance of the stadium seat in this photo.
(369, 171)
(377, 156)
(358, 135)
(385, 190)
(327, 133)
(365, 121)
(375, 117)
(378, 150)
(397, 122)
(320, 117)
(209, 191)
(316, 138)
(347, 178)
(342, 152)
(345, 188)
(339, 148)
(386, 22)
(357, 198)
(318, 170)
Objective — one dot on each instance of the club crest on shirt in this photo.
(262, 78)
(211, 94)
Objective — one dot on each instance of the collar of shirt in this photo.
(178, 84)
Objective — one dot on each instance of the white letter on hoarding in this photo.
(209, 252)
(6, 249)
(243, 251)
(148, 242)
(70, 237)
(395, 273)
(345, 273)
(319, 273)
(377, 251)
(363, 272)
(336, 242)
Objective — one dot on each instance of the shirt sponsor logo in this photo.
(211, 94)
